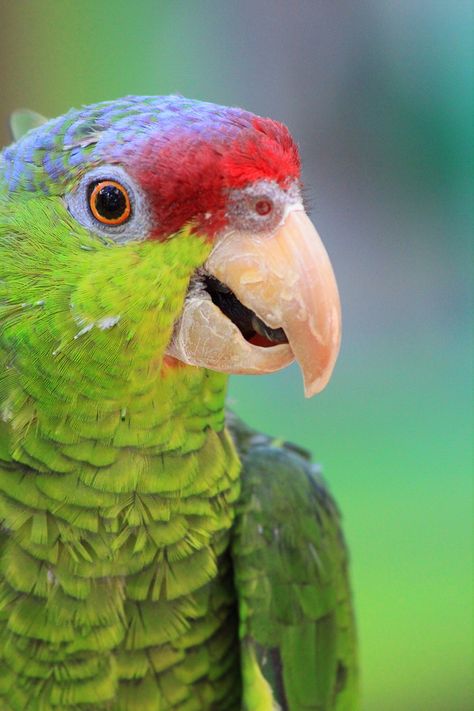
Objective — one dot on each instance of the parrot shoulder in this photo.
(291, 576)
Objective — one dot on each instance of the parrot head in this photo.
(169, 229)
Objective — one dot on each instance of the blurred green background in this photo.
(377, 95)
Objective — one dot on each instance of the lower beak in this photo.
(287, 280)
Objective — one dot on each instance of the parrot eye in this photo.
(109, 202)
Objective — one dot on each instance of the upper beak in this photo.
(286, 278)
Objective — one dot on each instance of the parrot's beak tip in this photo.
(314, 386)
(311, 389)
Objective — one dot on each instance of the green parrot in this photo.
(155, 555)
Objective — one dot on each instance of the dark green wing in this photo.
(296, 621)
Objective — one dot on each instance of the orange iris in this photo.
(109, 203)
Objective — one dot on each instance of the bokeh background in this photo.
(377, 94)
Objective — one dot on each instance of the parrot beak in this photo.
(262, 301)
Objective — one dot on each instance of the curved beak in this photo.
(287, 280)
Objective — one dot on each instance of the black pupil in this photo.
(110, 202)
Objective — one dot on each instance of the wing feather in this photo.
(291, 575)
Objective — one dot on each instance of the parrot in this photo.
(156, 553)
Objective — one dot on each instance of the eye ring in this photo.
(109, 202)
(136, 227)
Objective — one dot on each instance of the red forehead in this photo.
(188, 172)
(267, 151)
